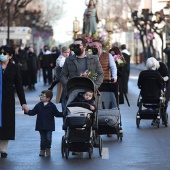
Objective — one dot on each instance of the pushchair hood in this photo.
(79, 83)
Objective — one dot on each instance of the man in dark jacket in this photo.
(126, 55)
(22, 62)
(79, 63)
(54, 53)
(46, 63)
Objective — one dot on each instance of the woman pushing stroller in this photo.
(153, 64)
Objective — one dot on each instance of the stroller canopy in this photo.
(79, 83)
(150, 75)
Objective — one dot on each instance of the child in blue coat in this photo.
(45, 123)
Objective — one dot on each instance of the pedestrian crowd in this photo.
(19, 69)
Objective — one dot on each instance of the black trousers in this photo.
(47, 75)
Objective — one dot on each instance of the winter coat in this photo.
(32, 68)
(70, 69)
(45, 116)
(126, 55)
(46, 59)
(22, 59)
(80, 98)
(11, 80)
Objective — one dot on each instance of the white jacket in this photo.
(60, 60)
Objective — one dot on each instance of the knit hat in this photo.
(8, 49)
(48, 93)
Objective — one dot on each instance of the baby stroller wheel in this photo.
(90, 152)
(100, 146)
(120, 133)
(158, 123)
(137, 122)
(66, 152)
(63, 146)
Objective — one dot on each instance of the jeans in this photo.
(46, 139)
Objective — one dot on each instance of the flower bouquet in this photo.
(89, 39)
(119, 60)
(89, 75)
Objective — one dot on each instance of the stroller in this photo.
(109, 117)
(151, 97)
(79, 121)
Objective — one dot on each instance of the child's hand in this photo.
(92, 107)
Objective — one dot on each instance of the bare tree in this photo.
(53, 10)
(14, 10)
(117, 10)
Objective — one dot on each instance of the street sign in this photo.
(150, 36)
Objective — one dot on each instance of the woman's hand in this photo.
(25, 108)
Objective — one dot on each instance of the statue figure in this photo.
(90, 18)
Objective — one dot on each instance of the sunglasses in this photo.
(42, 95)
(4, 53)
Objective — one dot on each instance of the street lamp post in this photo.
(76, 27)
(8, 29)
(109, 29)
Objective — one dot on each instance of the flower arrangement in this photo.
(90, 39)
(119, 59)
(89, 75)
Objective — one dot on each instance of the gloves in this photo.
(166, 78)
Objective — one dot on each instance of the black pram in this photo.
(79, 120)
(109, 117)
(151, 97)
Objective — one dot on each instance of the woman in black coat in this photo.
(11, 80)
(153, 64)
(32, 69)
(120, 73)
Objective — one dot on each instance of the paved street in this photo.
(146, 148)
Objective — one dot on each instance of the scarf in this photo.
(0, 96)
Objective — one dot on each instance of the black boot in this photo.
(3, 155)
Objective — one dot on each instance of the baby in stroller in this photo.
(87, 97)
(79, 118)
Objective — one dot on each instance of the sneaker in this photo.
(42, 153)
(48, 152)
(3, 155)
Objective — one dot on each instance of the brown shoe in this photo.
(48, 152)
(109, 135)
(42, 153)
